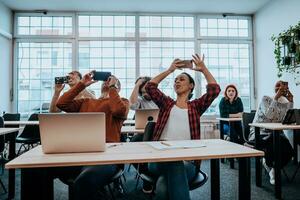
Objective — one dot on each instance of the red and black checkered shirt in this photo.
(195, 108)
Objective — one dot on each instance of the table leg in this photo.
(215, 179)
(244, 179)
(258, 164)
(296, 140)
(11, 172)
(231, 160)
(277, 160)
(222, 135)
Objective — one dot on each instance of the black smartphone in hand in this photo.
(101, 76)
(61, 79)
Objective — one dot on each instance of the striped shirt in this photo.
(195, 108)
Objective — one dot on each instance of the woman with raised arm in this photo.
(173, 177)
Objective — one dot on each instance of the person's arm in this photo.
(57, 90)
(67, 103)
(223, 109)
(240, 109)
(118, 106)
(201, 67)
(133, 99)
(212, 88)
(176, 64)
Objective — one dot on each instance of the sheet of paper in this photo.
(186, 144)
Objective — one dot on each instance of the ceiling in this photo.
(181, 6)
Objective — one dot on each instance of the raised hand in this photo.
(58, 88)
(87, 79)
(199, 63)
(176, 64)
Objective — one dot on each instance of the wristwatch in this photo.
(114, 86)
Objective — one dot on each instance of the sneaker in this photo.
(272, 176)
(265, 165)
(147, 187)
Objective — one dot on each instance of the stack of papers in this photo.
(186, 144)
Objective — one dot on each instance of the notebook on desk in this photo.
(142, 116)
(72, 132)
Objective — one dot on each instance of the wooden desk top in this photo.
(233, 119)
(275, 126)
(21, 122)
(131, 129)
(4, 131)
(133, 152)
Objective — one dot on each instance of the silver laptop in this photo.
(72, 132)
(142, 116)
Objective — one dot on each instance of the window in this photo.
(38, 64)
(128, 45)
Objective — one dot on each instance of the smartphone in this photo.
(61, 79)
(286, 87)
(187, 64)
(286, 84)
(101, 76)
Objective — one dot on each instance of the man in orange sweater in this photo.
(90, 178)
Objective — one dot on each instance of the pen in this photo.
(164, 143)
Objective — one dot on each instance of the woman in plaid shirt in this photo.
(179, 120)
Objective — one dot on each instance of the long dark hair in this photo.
(191, 80)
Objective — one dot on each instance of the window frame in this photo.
(75, 39)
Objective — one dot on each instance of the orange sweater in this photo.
(114, 107)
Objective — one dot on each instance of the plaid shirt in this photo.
(195, 108)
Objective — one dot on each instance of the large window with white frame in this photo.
(129, 46)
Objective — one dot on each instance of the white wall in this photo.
(5, 59)
(273, 18)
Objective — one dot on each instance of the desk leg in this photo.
(258, 163)
(222, 135)
(244, 179)
(296, 139)
(231, 160)
(11, 172)
(215, 179)
(277, 153)
(36, 184)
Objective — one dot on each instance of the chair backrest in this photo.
(148, 132)
(31, 131)
(2, 137)
(247, 118)
(12, 117)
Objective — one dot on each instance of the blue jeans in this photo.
(173, 179)
(91, 179)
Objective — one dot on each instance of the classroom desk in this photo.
(131, 129)
(229, 120)
(11, 155)
(276, 129)
(33, 164)
(21, 123)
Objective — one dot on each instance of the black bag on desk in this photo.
(287, 151)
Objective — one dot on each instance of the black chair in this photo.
(2, 147)
(30, 135)
(247, 118)
(10, 117)
(116, 180)
(199, 179)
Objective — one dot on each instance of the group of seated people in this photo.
(172, 177)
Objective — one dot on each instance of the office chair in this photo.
(199, 179)
(116, 179)
(30, 135)
(2, 147)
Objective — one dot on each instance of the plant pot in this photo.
(286, 60)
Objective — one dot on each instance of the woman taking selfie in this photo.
(173, 177)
